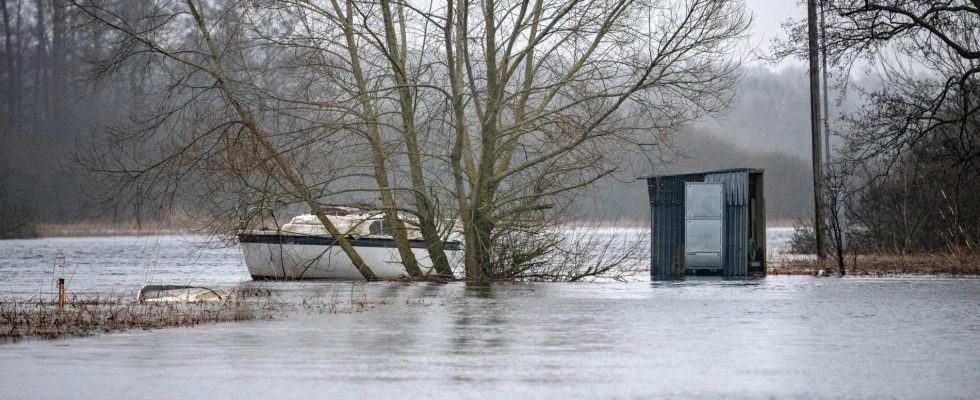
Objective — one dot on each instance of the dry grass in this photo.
(173, 223)
(957, 264)
(335, 306)
(355, 300)
(87, 229)
(39, 319)
(36, 319)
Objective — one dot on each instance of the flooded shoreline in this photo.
(781, 337)
(778, 337)
(28, 320)
(114, 265)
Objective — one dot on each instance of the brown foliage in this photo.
(953, 264)
(40, 319)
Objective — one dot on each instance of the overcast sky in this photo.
(767, 19)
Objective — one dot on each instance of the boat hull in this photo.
(286, 256)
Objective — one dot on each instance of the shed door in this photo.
(704, 206)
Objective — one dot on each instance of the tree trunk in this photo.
(281, 163)
(390, 208)
(479, 245)
(461, 164)
(427, 225)
(12, 83)
(59, 88)
(41, 70)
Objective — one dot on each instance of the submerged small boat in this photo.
(182, 294)
(302, 248)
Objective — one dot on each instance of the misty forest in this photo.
(493, 121)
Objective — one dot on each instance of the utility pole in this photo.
(824, 83)
(818, 204)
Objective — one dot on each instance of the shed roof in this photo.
(750, 170)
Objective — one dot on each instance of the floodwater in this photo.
(779, 337)
(106, 266)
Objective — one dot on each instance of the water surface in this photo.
(780, 337)
(108, 266)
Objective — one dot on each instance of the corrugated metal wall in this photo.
(667, 222)
(667, 225)
(736, 185)
(666, 241)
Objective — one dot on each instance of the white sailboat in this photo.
(302, 249)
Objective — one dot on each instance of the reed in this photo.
(79, 316)
(91, 229)
(35, 318)
(949, 264)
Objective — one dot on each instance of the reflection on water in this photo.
(779, 337)
(479, 320)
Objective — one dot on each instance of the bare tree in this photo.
(491, 116)
(553, 91)
(839, 186)
(918, 132)
(317, 21)
(928, 56)
(924, 204)
(11, 81)
(197, 69)
(41, 112)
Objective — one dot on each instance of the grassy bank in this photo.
(962, 264)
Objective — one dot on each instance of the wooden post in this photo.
(815, 116)
(61, 294)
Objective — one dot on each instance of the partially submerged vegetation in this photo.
(949, 264)
(86, 229)
(174, 222)
(40, 319)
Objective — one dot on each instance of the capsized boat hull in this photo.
(272, 255)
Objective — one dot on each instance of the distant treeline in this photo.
(48, 111)
(51, 111)
(768, 127)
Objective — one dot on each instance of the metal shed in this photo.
(708, 223)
